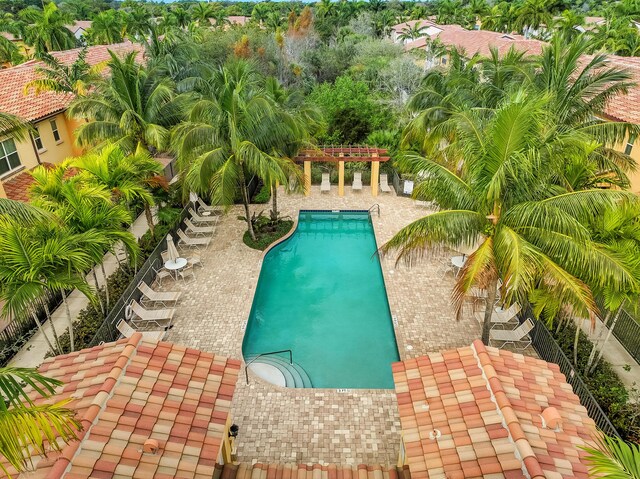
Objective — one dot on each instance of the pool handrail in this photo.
(376, 206)
(246, 367)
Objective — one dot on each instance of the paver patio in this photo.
(316, 425)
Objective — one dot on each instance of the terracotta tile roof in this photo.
(31, 107)
(479, 41)
(309, 471)
(17, 187)
(476, 412)
(626, 107)
(234, 20)
(132, 390)
(79, 25)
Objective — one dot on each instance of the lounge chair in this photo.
(384, 184)
(198, 230)
(143, 318)
(127, 331)
(162, 297)
(357, 181)
(202, 206)
(192, 242)
(202, 219)
(518, 337)
(326, 183)
(501, 316)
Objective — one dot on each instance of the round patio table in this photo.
(175, 265)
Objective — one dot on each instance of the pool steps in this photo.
(295, 376)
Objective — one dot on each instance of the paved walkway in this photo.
(35, 350)
(316, 425)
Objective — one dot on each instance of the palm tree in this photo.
(614, 458)
(137, 22)
(46, 30)
(9, 52)
(107, 28)
(529, 237)
(567, 24)
(29, 428)
(11, 125)
(260, 12)
(131, 107)
(533, 14)
(59, 77)
(201, 12)
(412, 32)
(181, 17)
(128, 178)
(230, 132)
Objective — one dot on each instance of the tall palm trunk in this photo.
(245, 202)
(606, 339)
(53, 328)
(488, 312)
(71, 333)
(34, 313)
(576, 340)
(594, 349)
(274, 202)
(106, 284)
(95, 280)
(149, 216)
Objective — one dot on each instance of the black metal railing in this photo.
(549, 350)
(108, 329)
(627, 332)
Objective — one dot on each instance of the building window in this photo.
(54, 129)
(9, 159)
(37, 140)
(629, 147)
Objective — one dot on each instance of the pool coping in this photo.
(254, 376)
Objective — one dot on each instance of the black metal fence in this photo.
(108, 330)
(627, 332)
(549, 350)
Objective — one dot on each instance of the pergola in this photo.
(341, 154)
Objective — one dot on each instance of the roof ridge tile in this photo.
(510, 419)
(68, 452)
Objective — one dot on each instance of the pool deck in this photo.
(316, 425)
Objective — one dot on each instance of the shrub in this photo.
(267, 232)
(263, 196)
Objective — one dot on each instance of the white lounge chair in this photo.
(326, 184)
(143, 318)
(127, 331)
(518, 337)
(162, 297)
(357, 181)
(202, 206)
(198, 230)
(192, 242)
(202, 219)
(501, 316)
(384, 184)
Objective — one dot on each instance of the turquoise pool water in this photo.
(321, 294)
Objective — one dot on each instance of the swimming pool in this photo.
(321, 294)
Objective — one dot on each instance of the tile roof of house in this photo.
(79, 25)
(309, 471)
(626, 107)
(17, 187)
(476, 412)
(234, 20)
(479, 41)
(32, 107)
(132, 390)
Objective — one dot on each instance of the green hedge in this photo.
(604, 384)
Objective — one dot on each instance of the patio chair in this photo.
(202, 206)
(187, 272)
(195, 217)
(161, 274)
(326, 183)
(384, 184)
(192, 242)
(518, 337)
(357, 181)
(198, 230)
(144, 318)
(165, 256)
(195, 260)
(162, 297)
(500, 316)
(127, 331)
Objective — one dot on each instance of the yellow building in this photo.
(53, 138)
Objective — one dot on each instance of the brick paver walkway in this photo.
(316, 425)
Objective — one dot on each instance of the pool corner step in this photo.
(294, 375)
